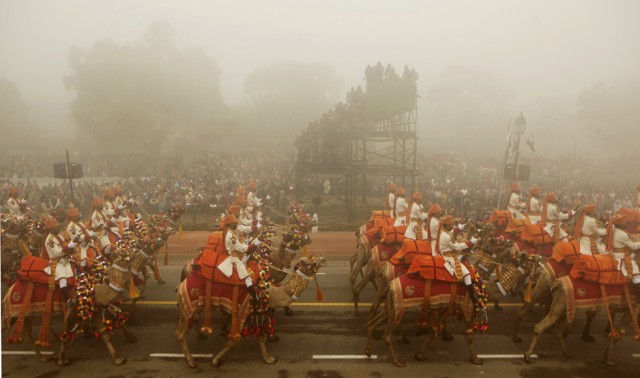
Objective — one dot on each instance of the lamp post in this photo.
(520, 127)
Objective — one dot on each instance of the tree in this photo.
(465, 104)
(286, 96)
(16, 127)
(135, 95)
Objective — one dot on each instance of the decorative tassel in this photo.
(207, 328)
(166, 253)
(319, 293)
(156, 272)
(304, 251)
(133, 290)
(16, 337)
(180, 233)
(43, 336)
(527, 293)
(234, 332)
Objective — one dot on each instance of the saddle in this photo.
(566, 252)
(391, 234)
(430, 267)
(536, 234)
(32, 269)
(410, 249)
(602, 269)
(208, 262)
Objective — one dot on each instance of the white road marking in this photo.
(321, 273)
(179, 355)
(343, 357)
(25, 352)
(505, 355)
(636, 355)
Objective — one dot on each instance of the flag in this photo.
(530, 143)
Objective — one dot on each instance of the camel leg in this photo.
(130, 337)
(612, 341)
(288, 311)
(473, 357)
(357, 266)
(555, 314)
(227, 347)
(388, 334)
(26, 334)
(423, 347)
(368, 277)
(586, 331)
(181, 333)
(378, 319)
(519, 317)
(268, 359)
(559, 333)
(381, 294)
(106, 338)
(496, 305)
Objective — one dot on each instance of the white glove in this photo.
(121, 207)
(113, 219)
(268, 197)
(259, 225)
(92, 234)
(460, 226)
(474, 240)
(257, 242)
(72, 245)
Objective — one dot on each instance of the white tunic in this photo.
(245, 218)
(55, 246)
(590, 228)
(74, 230)
(622, 240)
(556, 217)
(253, 201)
(391, 198)
(100, 226)
(516, 205)
(412, 227)
(233, 245)
(535, 210)
(434, 226)
(400, 212)
(638, 201)
(447, 244)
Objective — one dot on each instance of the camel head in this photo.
(309, 266)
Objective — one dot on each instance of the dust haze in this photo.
(168, 77)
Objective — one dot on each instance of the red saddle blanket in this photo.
(408, 292)
(556, 269)
(392, 235)
(430, 267)
(581, 293)
(566, 252)
(32, 269)
(209, 261)
(370, 240)
(535, 234)
(12, 303)
(381, 253)
(193, 290)
(410, 249)
(215, 242)
(392, 271)
(598, 268)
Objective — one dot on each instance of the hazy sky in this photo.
(537, 48)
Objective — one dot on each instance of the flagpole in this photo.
(504, 163)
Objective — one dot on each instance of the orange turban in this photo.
(447, 220)
(435, 209)
(417, 196)
(13, 190)
(229, 219)
(234, 209)
(515, 186)
(400, 191)
(535, 191)
(50, 223)
(72, 213)
(97, 201)
(252, 186)
(590, 209)
(108, 193)
(391, 187)
(551, 197)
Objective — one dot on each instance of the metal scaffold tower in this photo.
(372, 134)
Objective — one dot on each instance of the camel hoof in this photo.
(399, 363)
(63, 362)
(609, 363)
(419, 357)
(569, 354)
(405, 340)
(192, 363)
(498, 308)
(288, 311)
(161, 282)
(215, 362)
(270, 360)
(132, 339)
(516, 339)
(477, 361)
(367, 352)
(48, 358)
(447, 336)
(118, 361)
(527, 357)
(202, 336)
(273, 338)
(588, 338)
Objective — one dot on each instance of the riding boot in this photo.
(67, 297)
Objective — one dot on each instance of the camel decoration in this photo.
(234, 300)
(96, 308)
(437, 300)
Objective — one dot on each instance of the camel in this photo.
(557, 317)
(441, 311)
(104, 296)
(279, 297)
(359, 259)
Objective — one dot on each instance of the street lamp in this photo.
(521, 124)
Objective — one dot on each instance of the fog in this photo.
(571, 67)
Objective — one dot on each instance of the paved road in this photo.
(319, 330)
